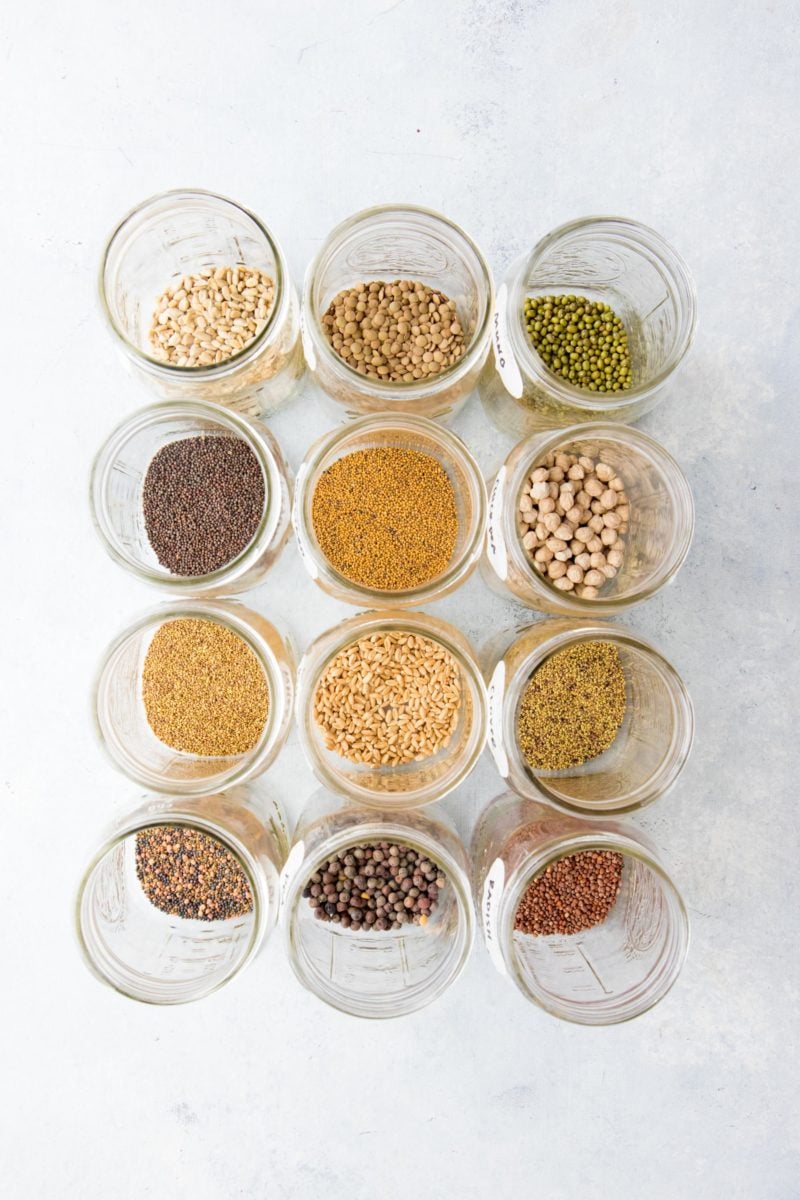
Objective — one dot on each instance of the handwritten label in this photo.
(290, 868)
(495, 542)
(504, 359)
(495, 705)
(490, 912)
(308, 346)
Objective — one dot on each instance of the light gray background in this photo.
(511, 117)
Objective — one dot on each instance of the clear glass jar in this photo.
(387, 243)
(410, 433)
(116, 495)
(414, 784)
(661, 523)
(149, 955)
(626, 265)
(121, 721)
(387, 974)
(647, 755)
(179, 233)
(604, 975)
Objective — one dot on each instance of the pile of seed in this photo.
(203, 689)
(572, 514)
(573, 894)
(583, 341)
(399, 332)
(572, 707)
(388, 699)
(382, 886)
(190, 874)
(206, 318)
(203, 499)
(386, 517)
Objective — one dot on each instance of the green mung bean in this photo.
(583, 341)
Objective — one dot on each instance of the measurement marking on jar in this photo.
(580, 950)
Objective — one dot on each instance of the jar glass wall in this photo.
(184, 232)
(389, 243)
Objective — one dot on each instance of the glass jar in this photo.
(603, 975)
(121, 721)
(611, 259)
(179, 233)
(149, 955)
(375, 974)
(413, 784)
(409, 433)
(387, 243)
(116, 495)
(661, 522)
(647, 755)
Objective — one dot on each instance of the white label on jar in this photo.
(308, 561)
(490, 912)
(495, 706)
(504, 360)
(308, 347)
(495, 542)
(291, 867)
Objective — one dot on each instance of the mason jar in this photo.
(413, 784)
(649, 751)
(400, 241)
(604, 975)
(660, 525)
(409, 433)
(121, 720)
(159, 958)
(371, 973)
(610, 259)
(181, 233)
(117, 480)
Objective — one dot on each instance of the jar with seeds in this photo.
(180, 893)
(192, 498)
(390, 511)
(581, 916)
(391, 709)
(197, 296)
(588, 717)
(587, 521)
(195, 697)
(593, 324)
(396, 310)
(402, 931)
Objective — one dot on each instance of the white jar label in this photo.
(495, 706)
(290, 868)
(495, 542)
(504, 360)
(308, 348)
(308, 561)
(490, 912)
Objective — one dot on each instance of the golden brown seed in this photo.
(192, 318)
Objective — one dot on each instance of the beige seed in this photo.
(576, 472)
(594, 545)
(604, 472)
(529, 541)
(588, 593)
(551, 522)
(597, 560)
(594, 578)
(540, 490)
(608, 498)
(596, 523)
(565, 532)
(584, 560)
(575, 515)
(564, 584)
(584, 534)
(575, 573)
(556, 570)
(608, 536)
(546, 505)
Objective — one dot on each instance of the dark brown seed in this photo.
(382, 897)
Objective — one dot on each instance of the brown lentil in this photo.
(385, 517)
(203, 688)
(188, 873)
(572, 706)
(388, 699)
(376, 887)
(205, 318)
(573, 894)
(399, 332)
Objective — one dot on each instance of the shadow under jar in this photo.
(407, 433)
(182, 233)
(660, 524)
(369, 972)
(411, 784)
(385, 244)
(610, 259)
(158, 957)
(121, 718)
(116, 490)
(609, 973)
(649, 751)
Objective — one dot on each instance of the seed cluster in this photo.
(388, 699)
(573, 894)
(205, 318)
(386, 517)
(572, 707)
(203, 499)
(572, 514)
(188, 873)
(583, 341)
(399, 332)
(376, 887)
(203, 689)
